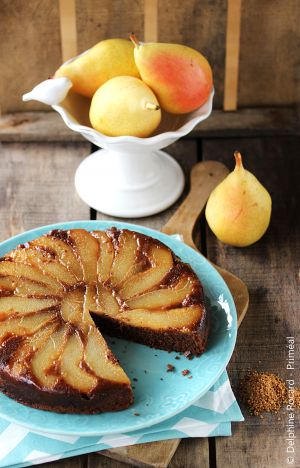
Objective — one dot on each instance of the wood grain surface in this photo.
(270, 268)
(233, 32)
(269, 70)
(37, 185)
(30, 49)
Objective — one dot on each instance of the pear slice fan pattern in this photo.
(59, 292)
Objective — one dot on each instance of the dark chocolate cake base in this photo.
(169, 340)
(110, 398)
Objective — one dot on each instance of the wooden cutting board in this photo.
(205, 176)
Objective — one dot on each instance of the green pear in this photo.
(238, 210)
(123, 106)
(107, 59)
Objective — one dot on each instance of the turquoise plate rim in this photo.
(94, 427)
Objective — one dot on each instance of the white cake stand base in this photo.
(129, 185)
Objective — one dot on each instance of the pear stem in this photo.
(238, 160)
(151, 106)
(133, 38)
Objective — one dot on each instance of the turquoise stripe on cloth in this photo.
(210, 416)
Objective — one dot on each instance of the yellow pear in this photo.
(125, 106)
(238, 210)
(107, 59)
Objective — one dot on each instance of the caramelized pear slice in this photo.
(161, 260)
(106, 255)
(107, 303)
(14, 305)
(18, 270)
(62, 251)
(24, 353)
(71, 361)
(46, 358)
(71, 307)
(181, 319)
(24, 287)
(40, 259)
(101, 360)
(87, 250)
(125, 257)
(164, 298)
(25, 324)
(90, 303)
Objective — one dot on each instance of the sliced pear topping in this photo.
(107, 303)
(87, 250)
(63, 252)
(106, 255)
(125, 257)
(24, 287)
(23, 355)
(47, 357)
(71, 307)
(161, 260)
(107, 367)
(181, 318)
(163, 298)
(10, 268)
(23, 305)
(90, 303)
(71, 361)
(25, 324)
(46, 264)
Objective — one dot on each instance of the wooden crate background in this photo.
(269, 44)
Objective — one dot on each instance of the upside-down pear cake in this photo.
(58, 294)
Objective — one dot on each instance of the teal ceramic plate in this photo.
(158, 394)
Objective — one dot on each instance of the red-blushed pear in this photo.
(180, 76)
(238, 210)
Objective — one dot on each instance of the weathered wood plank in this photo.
(270, 269)
(29, 49)
(104, 19)
(233, 30)
(37, 185)
(48, 126)
(151, 455)
(75, 462)
(269, 51)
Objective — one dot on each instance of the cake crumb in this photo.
(135, 379)
(177, 357)
(190, 377)
(185, 372)
(136, 414)
(161, 378)
(187, 353)
(170, 368)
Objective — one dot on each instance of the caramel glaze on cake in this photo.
(59, 292)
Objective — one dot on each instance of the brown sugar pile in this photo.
(263, 391)
(297, 398)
